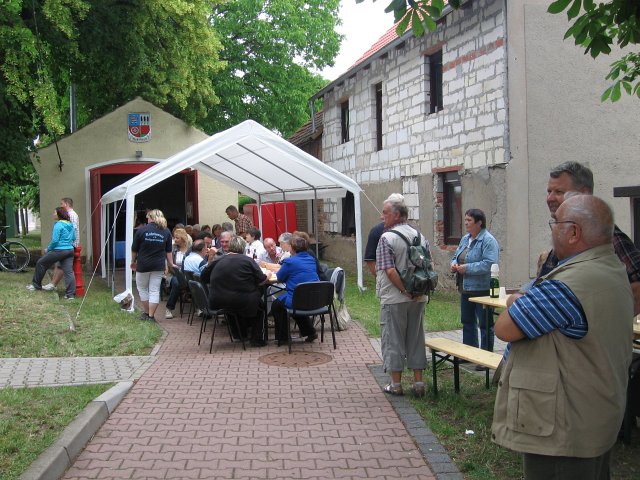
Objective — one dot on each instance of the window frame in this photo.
(344, 121)
(434, 62)
(377, 89)
(451, 180)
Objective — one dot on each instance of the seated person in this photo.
(271, 255)
(216, 230)
(320, 268)
(199, 258)
(181, 249)
(235, 286)
(282, 253)
(225, 238)
(254, 248)
(299, 268)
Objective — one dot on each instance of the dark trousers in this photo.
(472, 315)
(279, 311)
(174, 293)
(65, 257)
(544, 467)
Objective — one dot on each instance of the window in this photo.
(452, 207)
(344, 121)
(435, 81)
(378, 95)
(348, 216)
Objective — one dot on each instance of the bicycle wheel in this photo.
(14, 256)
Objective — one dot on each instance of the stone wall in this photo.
(468, 133)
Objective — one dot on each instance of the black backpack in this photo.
(419, 278)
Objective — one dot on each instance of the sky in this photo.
(362, 25)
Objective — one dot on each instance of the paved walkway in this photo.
(191, 414)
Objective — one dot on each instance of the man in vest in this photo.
(561, 397)
(401, 315)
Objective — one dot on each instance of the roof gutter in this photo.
(366, 63)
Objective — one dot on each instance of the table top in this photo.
(491, 302)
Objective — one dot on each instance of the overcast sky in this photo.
(362, 25)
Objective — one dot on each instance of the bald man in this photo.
(561, 397)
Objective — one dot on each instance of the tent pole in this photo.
(113, 237)
(284, 200)
(260, 215)
(358, 219)
(130, 211)
(315, 221)
(103, 219)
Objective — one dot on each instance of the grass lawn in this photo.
(37, 324)
(31, 419)
(450, 415)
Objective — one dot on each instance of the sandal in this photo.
(391, 390)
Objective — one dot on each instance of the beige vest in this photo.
(385, 290)
(565, 397)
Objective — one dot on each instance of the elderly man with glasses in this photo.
(561, 396)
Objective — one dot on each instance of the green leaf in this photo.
(575, 9)
(439, 4)
(588, 5)
(558, 6)
(395, 5)
(416, 22)
(606, 94)
(402, 26)
(627, 87)
(615, 94)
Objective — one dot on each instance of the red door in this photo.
(285, 211)
(191, 194)
(96, 194)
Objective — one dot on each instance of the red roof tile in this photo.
(388, 37)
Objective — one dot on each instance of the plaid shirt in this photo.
(624, 248)
(243, 223)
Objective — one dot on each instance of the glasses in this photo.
(554, 222)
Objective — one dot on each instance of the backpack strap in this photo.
(416, 240)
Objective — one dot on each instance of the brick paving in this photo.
(228, 415)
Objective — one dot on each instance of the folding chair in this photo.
(184, 287)
(311, 299)
(201, 301)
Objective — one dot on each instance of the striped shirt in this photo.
(549, 306)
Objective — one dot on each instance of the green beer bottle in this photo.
(494, 282)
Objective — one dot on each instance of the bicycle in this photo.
(14, 256)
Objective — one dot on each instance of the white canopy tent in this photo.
(256, 162)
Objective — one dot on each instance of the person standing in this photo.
(58, 273)
(150, 253)
(471, 263)
(573, 176)
(561, 396)
(372, 245)
(243, 223)
(60, 249)
(401, 315)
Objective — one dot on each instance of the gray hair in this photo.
(581, 176)
(227, 226)
(594, 216)
(396, 200)
(237, 244)
(299, 244)
(285, 237)
(226, 234)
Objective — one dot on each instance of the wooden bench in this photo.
(443, 349)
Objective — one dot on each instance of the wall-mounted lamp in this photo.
(138, 153)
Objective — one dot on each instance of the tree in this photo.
(270, 48)
(112, 51)
(596, 28)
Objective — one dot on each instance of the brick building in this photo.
(473, 115)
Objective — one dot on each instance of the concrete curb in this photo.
(55, 460)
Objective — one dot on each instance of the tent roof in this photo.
(252, 159)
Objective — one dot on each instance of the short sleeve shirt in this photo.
(152, 245)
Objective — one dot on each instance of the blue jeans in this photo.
(472, 315)
(174, 293)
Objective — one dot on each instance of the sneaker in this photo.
(143, 316)
(168, 314)
(32, 288)
(69, 297)
(49, 287)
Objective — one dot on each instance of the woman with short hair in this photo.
(471, 263)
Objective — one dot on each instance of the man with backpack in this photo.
(401, 311)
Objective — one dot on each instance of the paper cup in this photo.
(503, 292)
